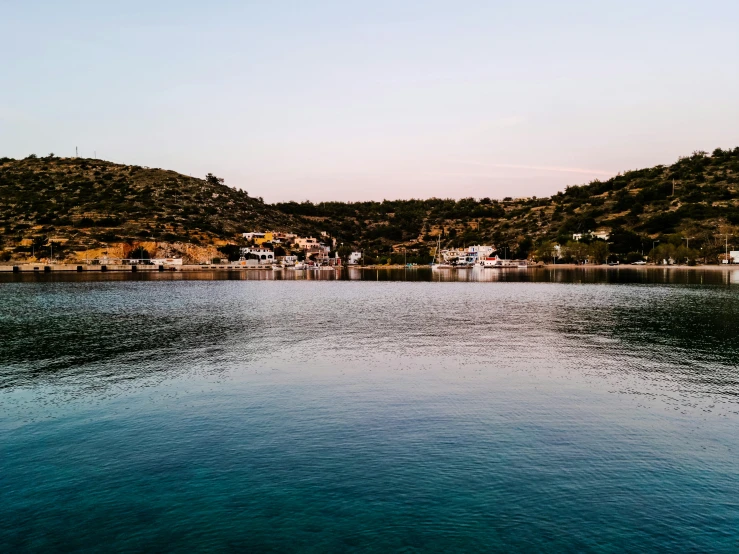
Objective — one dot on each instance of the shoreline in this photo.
(90, 268)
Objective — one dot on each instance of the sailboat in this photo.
(440, 265)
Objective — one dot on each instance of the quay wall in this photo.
(46, 268)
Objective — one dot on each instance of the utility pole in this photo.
(727, 248)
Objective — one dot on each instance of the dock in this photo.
(129, 268)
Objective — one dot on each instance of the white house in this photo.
(261, 254)
(600, 234)
(354, 258)
(480, 251)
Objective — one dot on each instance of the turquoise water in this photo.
(536, 414)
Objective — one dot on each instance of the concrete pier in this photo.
(81, 268)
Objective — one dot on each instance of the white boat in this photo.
(497, 263)
(440, 265)
(298, 266)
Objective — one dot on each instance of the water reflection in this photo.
(93, 332)
(219, 411)
(547, 274)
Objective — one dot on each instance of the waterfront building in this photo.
(262, 254)
(480, 251)
(469, 255)
(166, 261)
(288, 260)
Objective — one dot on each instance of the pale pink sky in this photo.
(355, 101)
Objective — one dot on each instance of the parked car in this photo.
(639, 262)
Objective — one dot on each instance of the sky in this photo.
(367, 100)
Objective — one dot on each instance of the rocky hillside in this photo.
(695, 198)
(85, 203)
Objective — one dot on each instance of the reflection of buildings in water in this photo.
(308, 275)
(734, 276)
(354, 274)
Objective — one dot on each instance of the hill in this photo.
(87, 204)
(696, 198)
(80, 204)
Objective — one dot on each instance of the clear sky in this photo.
(352, 100)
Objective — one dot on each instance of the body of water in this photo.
(373, 411)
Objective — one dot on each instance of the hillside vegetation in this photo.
(686, 208)
(696, 198)
(86, 203)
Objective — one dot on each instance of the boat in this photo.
(495, 262)
(440, 265)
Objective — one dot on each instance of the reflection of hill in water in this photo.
(684, 339)
(94, 334)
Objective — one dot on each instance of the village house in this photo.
(602, 234)
(261, 254)
(259, 238)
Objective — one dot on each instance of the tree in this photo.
(578, 251)
(139, 253)
(598, 251)
(545, 251)
(213, 180)
(344, 252)
(231, 251)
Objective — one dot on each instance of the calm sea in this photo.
(548, 411)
